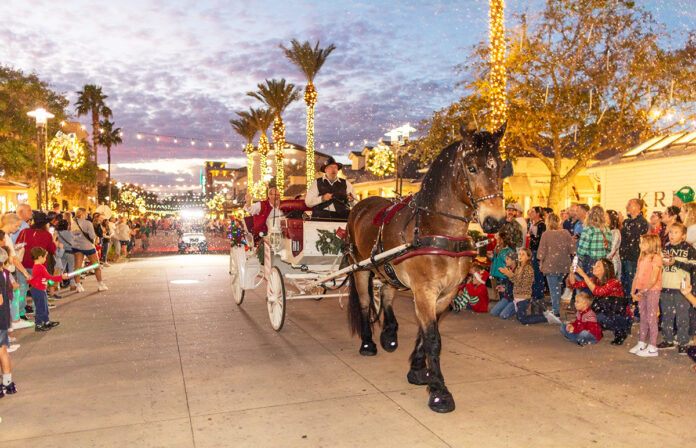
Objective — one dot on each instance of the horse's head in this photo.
(480, 173)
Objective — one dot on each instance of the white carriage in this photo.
(294, 268)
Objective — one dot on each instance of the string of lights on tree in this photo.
(497, 76)
(310, 98)
(381, 161)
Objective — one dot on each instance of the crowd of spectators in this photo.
(616, 272)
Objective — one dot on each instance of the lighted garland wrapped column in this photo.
(279, 147)
(310, 98)
(250, 168)
(497, 56)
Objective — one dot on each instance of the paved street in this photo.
(154, 363)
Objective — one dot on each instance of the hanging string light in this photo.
(381, 161)
(279, 148)
(310, 98)
(497, 56)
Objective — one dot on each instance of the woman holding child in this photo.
(611, 306)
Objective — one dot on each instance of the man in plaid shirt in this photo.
(594, 243)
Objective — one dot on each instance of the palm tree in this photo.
(309, 60)
(91, 101)
(109, 137)
(261, 119)
(277, 95)
(244, 127)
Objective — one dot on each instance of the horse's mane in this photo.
(440, 171)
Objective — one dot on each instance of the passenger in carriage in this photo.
(266, 213)
(329, 196)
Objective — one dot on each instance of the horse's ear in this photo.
(500, 132)
(463, 130)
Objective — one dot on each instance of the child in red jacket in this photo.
(584, 329)
(39, 282)
(473, 293)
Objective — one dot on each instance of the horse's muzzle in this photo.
(492, 225)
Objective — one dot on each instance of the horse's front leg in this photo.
(390, 326)
(360, 306)
(427, 311)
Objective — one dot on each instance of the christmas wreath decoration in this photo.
(65, 152)
(329, 243)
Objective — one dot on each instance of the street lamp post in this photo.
(41, 116)
(399, 138)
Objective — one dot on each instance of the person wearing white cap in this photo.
(514, 213)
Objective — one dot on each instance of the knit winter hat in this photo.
(686, 194)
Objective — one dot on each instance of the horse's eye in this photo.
(472, 169)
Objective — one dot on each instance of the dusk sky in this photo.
(182, 68)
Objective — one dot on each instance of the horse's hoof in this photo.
(441, 402)
(389, 341)
(418, 377)
(368, 349)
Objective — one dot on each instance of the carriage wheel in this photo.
(275, 299)
(377, 300)
(235, 283)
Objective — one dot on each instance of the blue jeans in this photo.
(504, 309)
(40, 306)
(69, 263)
(582, 338)
(538, 285)
(22, 293)
(628, 272)
(555, 282)
(528, 319)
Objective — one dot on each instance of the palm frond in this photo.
(276, 94)
(309, 60)
(244, 127)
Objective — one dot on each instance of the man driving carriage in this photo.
(329, 196)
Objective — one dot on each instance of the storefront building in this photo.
(12, 194)
(652, 171)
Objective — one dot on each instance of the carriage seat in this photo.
(291, 205)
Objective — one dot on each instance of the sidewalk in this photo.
(166, 359)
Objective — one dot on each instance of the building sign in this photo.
(656, 199)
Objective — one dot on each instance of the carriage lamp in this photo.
(275, 240)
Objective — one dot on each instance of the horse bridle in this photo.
(474, 202)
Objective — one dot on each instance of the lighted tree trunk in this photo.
(497, 61)
(263, 166)
(311, 100)
(279, 147)
(108, 172)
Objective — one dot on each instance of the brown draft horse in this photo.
(465, 179)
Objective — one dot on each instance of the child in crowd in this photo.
(584, 329)
(645, 290)
(505, 308)
(7, 386)
(691, 351)
(673, 304)
(473, 294)
(523, 278)
(39, 282)
(505, 246)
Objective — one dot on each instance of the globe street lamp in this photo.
(41, 116)
(399, 137)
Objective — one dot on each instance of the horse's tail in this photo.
(354, 313)
(356, 320)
